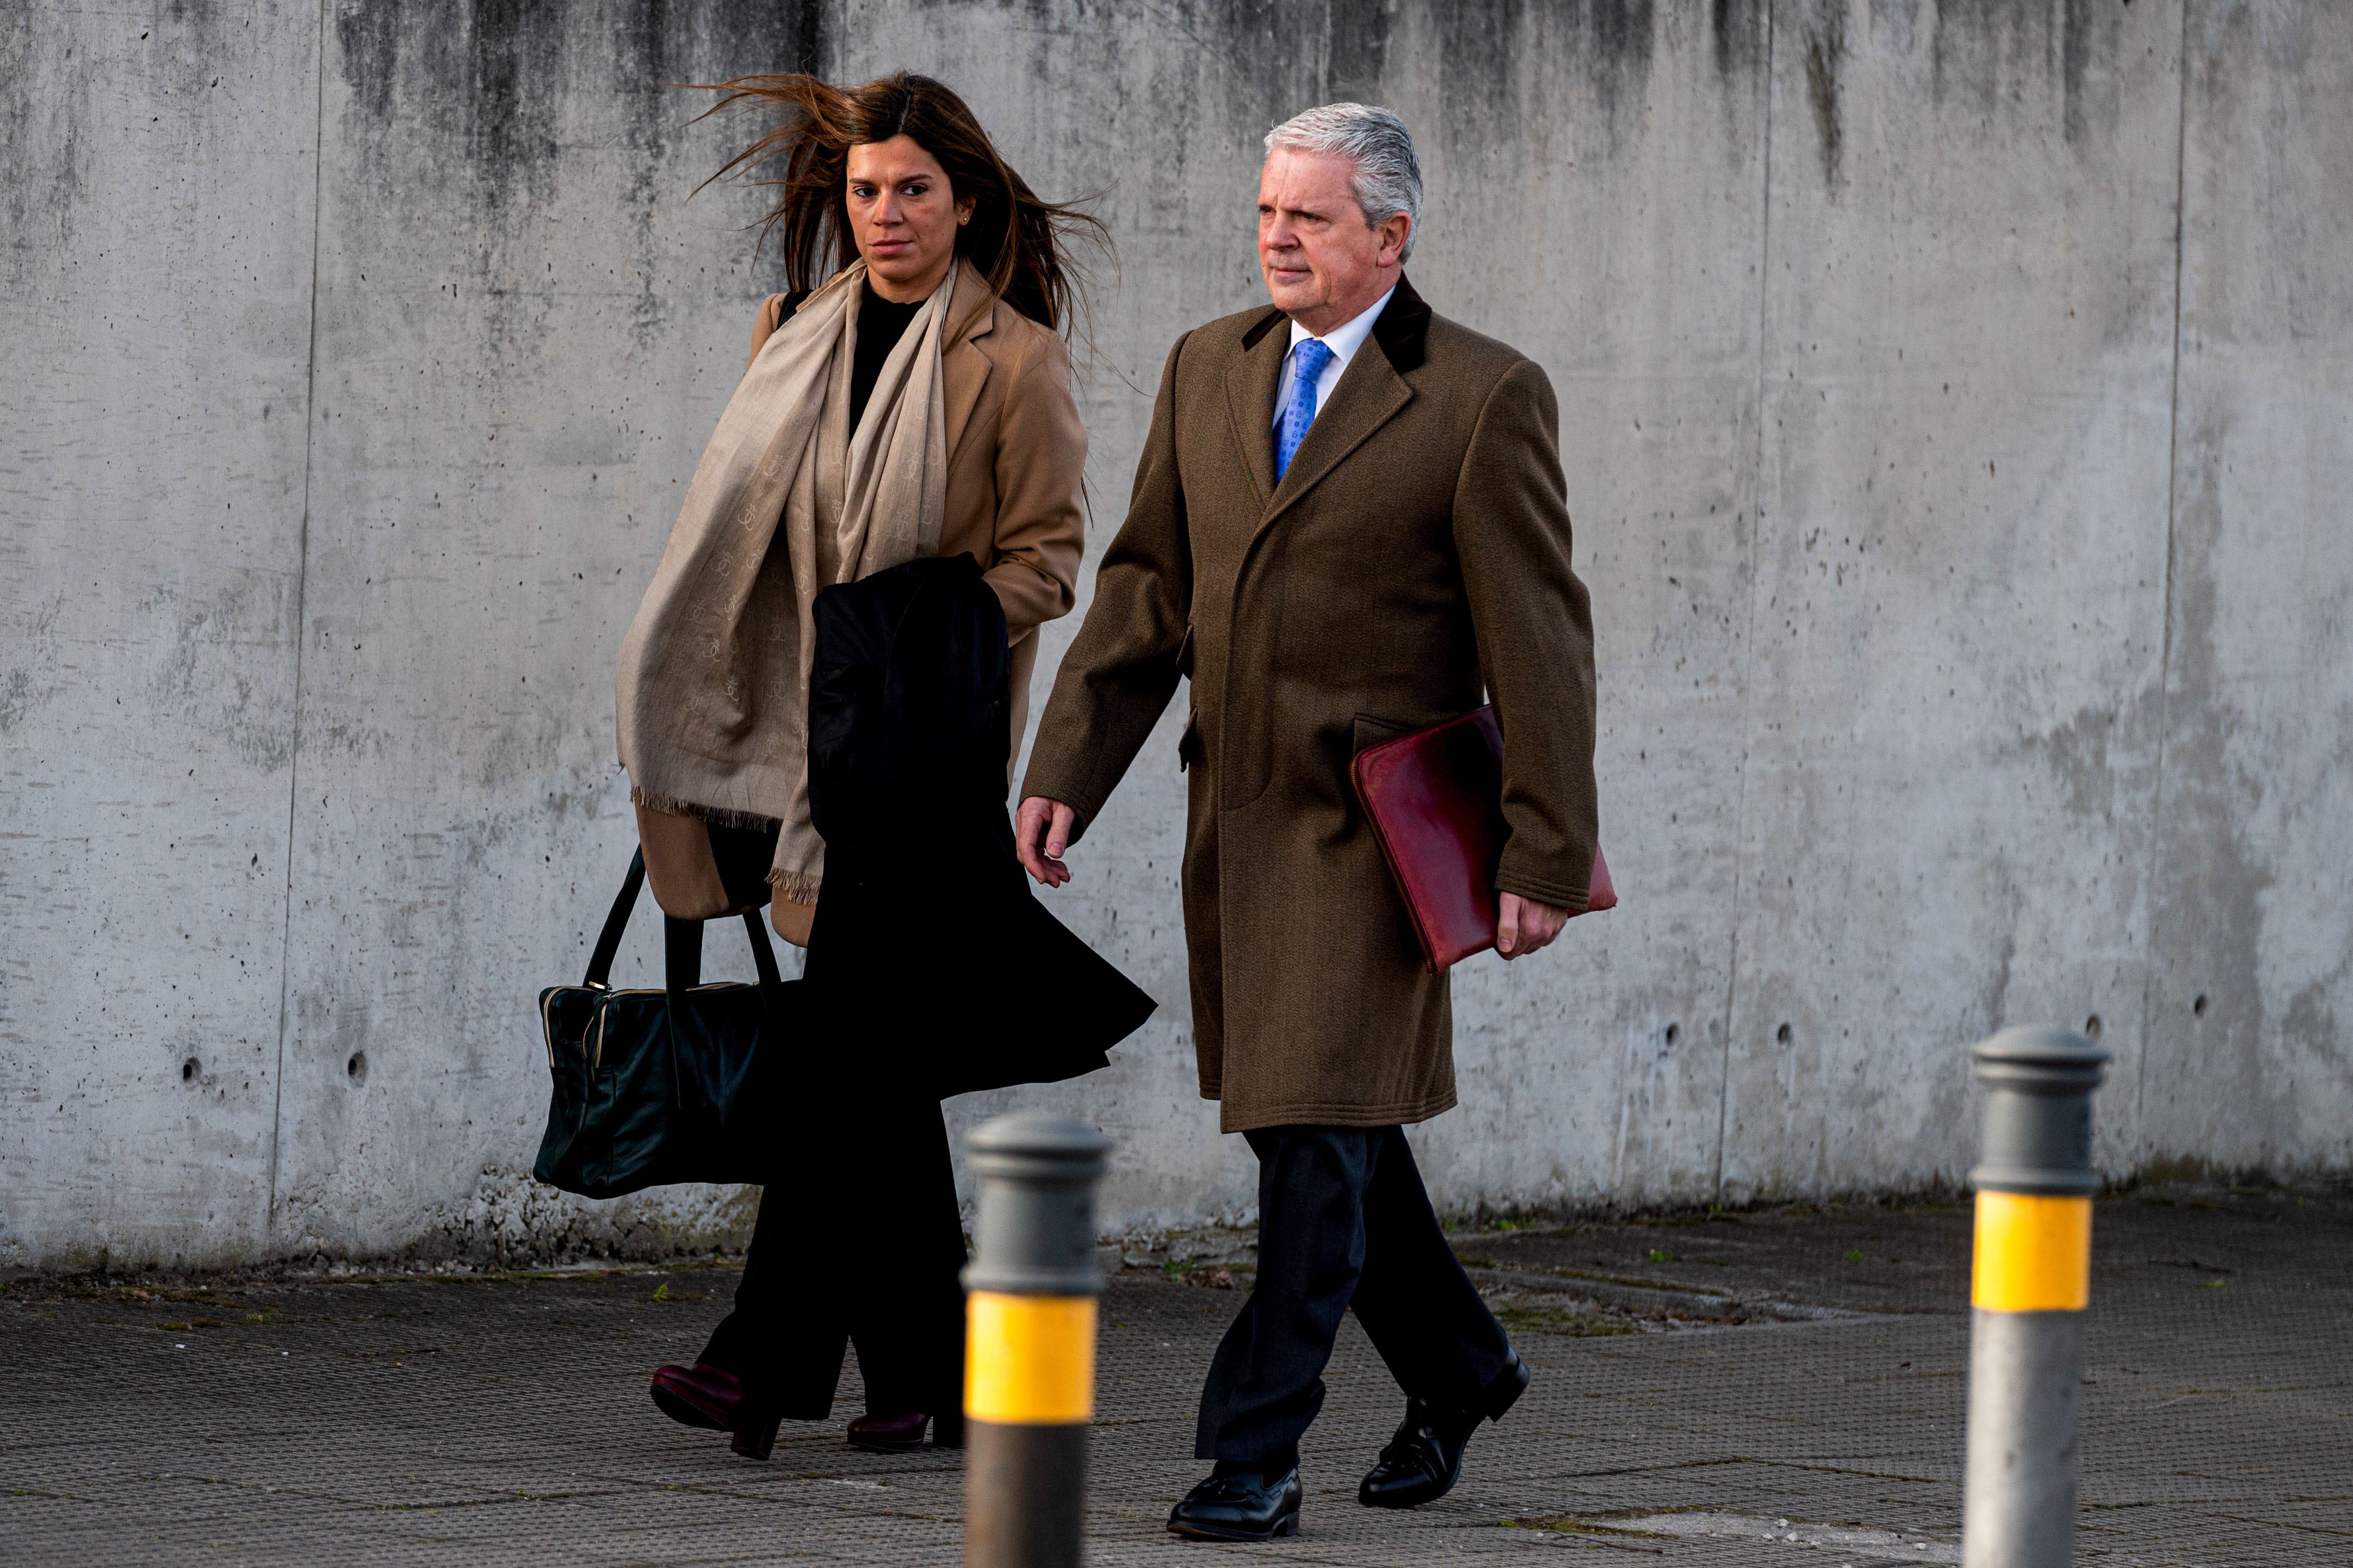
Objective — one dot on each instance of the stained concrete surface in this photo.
(1761, 1387)
(1956, 402)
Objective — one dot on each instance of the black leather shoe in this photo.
(1242, 1505)
(1424, 1459)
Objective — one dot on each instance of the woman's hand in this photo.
(1050, 821)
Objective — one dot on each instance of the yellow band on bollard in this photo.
(1029, 1358)
(2034, 1254)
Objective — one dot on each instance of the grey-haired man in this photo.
(1349, 522)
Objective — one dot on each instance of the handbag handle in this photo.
(681, 943)
(763, 957)
(608, 940)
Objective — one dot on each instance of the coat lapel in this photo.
(1250, 399)
(963, 369)
(1371, 390)
(1369, 394)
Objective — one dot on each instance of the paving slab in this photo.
(1767, 1387)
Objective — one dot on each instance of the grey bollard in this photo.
(2030, 1286)
(1029, 1355)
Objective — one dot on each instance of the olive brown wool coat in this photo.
(1416, 552)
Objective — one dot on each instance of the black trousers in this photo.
(1343, 1222)
(859, 1241)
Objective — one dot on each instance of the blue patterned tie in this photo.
(1307, 362)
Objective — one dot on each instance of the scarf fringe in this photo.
(794, 886)
(715, 815)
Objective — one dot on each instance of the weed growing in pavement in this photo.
(1564, 1322)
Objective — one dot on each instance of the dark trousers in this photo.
(859, 1241)
(1343, 1222)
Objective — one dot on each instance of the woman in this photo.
(917, 402)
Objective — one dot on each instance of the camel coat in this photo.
(1016, 455)
(1415, 556)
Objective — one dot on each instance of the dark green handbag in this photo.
(654, 1086)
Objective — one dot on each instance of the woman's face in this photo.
(904, 216)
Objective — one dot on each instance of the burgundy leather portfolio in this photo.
(1436, 802)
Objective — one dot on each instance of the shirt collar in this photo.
(1345, 339)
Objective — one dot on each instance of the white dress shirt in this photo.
(1344, 341)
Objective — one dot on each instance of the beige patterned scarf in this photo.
(713, 687)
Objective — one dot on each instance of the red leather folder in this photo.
(1435, 799)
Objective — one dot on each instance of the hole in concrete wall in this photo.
(1782, 1034)
(2198, 1006)
(357, 1066)
(1674, 1032)
(189, 1069)
(2092, 1026)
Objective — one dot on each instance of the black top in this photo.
(881, 325)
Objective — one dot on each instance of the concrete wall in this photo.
(1957, 402)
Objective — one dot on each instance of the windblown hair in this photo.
(1020, 243)
(1388, 177)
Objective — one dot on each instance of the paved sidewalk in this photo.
(1776, 1387)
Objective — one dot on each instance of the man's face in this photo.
(1324, 263)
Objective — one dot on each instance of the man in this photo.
(1347, 522)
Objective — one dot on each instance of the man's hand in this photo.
(1050, 821)
(1522, 925)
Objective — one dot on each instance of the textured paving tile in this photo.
(1781, 1387)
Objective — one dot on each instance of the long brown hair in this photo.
(1020, 243)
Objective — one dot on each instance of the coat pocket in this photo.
(1372, 731)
